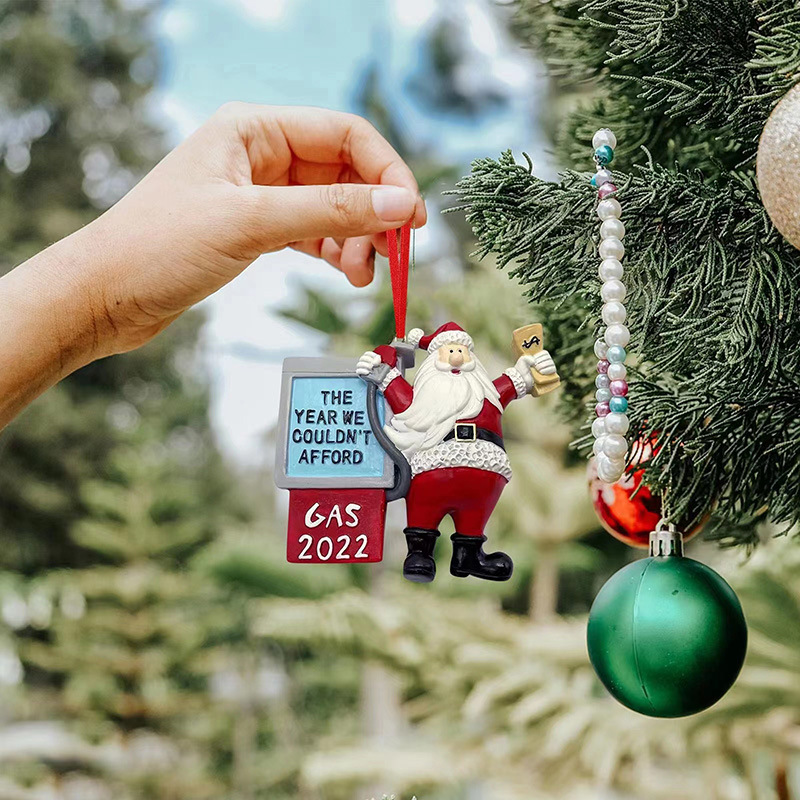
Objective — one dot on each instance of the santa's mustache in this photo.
(446, 366)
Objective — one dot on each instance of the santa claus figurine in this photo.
(449, 428)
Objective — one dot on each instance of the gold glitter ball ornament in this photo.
(778, 166)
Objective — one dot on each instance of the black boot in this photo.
(419, 565)
(469, 559)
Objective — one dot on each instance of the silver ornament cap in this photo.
(666, 540)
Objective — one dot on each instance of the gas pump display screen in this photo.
(326, 438)
(329, 432)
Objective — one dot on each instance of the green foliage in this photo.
(474, 678)
(74, 78)
(130, 653)
(712, 286)
(572, 50)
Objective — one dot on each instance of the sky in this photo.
(313, 52)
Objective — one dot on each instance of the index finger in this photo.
(323, 136)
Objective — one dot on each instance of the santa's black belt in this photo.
(470, 432)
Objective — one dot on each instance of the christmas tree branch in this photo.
(712, 298)
(687, 86)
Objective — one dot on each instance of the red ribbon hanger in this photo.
(398, 270)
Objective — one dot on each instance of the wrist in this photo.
(523, 369)
(56, 302)
(46, 330)
(69, 290)
(98, 313)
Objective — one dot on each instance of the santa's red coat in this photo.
(466, 491)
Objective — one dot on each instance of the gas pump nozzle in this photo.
(406, 354)
(405, 360)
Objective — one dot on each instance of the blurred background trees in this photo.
(153, 641)
(111, 482)
(75, 137)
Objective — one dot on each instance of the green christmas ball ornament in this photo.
(666, 635)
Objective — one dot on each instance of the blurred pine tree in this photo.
(76, 134)
(515, 711)
(127, 658)
(110, 482)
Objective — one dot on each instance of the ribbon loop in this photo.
(398, 271)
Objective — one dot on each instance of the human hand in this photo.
(252, 180)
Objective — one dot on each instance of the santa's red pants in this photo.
(467, 494)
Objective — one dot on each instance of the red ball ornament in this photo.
(628, 510)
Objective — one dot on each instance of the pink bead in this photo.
(601, 409)
(619, 388)
(602, 367)
(605, 190)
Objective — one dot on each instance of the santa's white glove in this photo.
(367, 363)
(542, 362)
(371, 368)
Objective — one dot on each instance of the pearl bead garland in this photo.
(611, 424)
(612, 229)
(613, 289)
(609, 209)
(604, 137)
(610, 269)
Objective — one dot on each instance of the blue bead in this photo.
(618, 404)
(605, 155)
(616, 354)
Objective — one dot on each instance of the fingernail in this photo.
(393, 203)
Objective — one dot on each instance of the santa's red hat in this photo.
(444, 334)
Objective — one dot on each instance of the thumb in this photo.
(283, 214)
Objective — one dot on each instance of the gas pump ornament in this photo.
(448, 426)
(352, 438)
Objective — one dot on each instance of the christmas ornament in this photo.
(666, 635)
(353, 440)
(627, 509)
(611, 424)
(448, 425)
(333, 454)
(778, 163)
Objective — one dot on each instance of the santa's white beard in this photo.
(440, 398)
